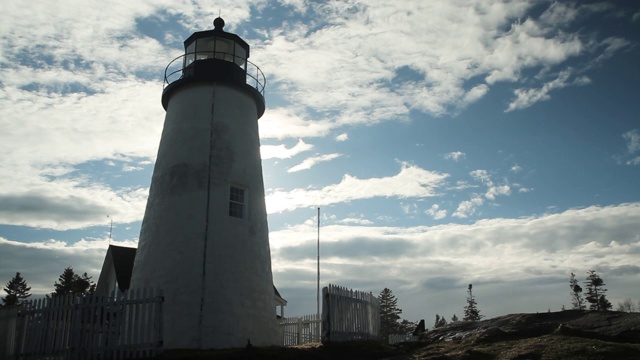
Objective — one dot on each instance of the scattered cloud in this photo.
(281, 151)
(410, 182)
(468, 207)
(409, 208)
(493, 189)
(280, 123)
(342, 137)
(633, 140)
(435, 212)
(632, 137)
(355, 221)
(308, 163)
(455, 156)
(528, 97)
(128, 168)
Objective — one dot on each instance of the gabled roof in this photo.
(122, 258)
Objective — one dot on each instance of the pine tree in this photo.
(17, 290)
(72, 283)
(407, 327)
(389, 314)
(576, 293)
(596, 292)
(454, 318)
(440, 322)
(471, 312)
(604, 304)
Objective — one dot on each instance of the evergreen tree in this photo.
(407, 327)
(17, 290)
(604, 304)
(471, 312)
(576, 293)
(596, 292)
(454, 318)
(440, 322)
(72, 283)
(389, 314)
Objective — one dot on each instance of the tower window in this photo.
(236, 202)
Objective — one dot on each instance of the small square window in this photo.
(236, 202)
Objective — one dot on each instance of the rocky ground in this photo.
(558, 335)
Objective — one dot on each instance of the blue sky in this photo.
(446, 143)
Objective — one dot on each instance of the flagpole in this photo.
(318, 282)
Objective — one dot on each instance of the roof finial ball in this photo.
(218, 24)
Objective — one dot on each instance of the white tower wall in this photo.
(215, 269)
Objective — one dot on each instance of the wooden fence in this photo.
(301, 330)
(349, 315)
(91, 327)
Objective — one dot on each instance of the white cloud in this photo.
(516, 168)
(355, 221)
(481, 176)
(128, 168)
(435, 212)
(473, 95)
(308, 163)
(342, 137)
(528, 97)
(410, 182)
(281, 151)
(460, 41)
(498, 190)
(455, 156)
(493, 190)
(468, 207)
(280, 123)
(409, 209)
(632, 137)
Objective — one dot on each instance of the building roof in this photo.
(122, 258)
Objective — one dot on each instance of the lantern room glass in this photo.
(215, 47)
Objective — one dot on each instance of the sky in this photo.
(493, 143)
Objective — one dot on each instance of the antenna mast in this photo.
(110, 228)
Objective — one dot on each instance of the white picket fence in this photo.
(301, 330)
(349, 315)
(91, 327)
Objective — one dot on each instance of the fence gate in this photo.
(349, 315)
(300, 330)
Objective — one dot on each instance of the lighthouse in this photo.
(204, 238)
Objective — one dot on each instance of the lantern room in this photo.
(218, 56)
(216, 44)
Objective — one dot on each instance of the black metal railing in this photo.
(175, 69)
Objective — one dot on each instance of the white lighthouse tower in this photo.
(204, 239)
